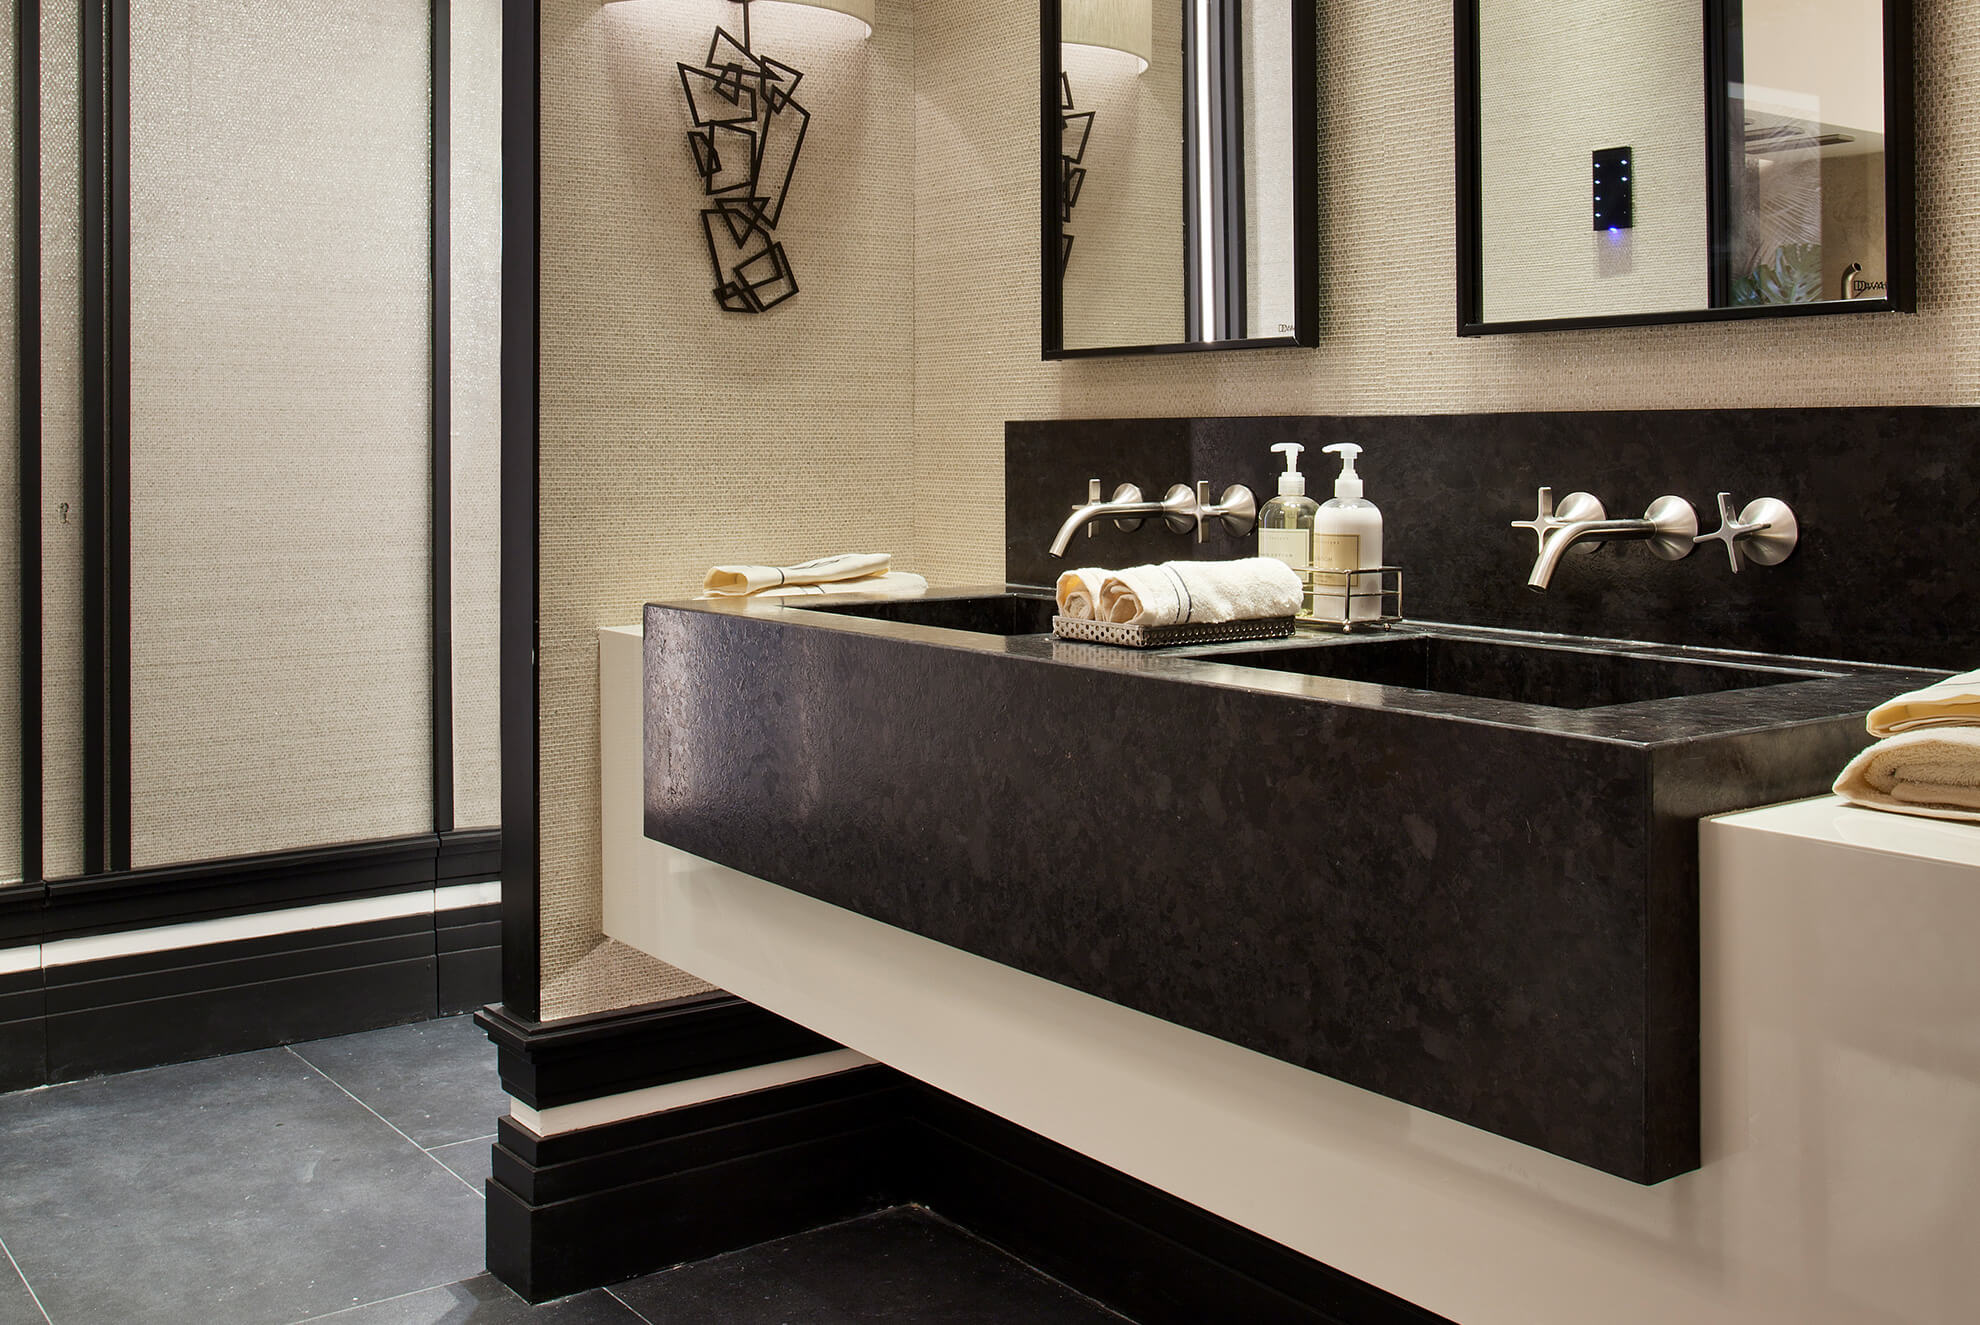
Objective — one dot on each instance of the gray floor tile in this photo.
(241, 1189)
(900, 1266)
(484, 1301)
(16, 1303)
(433, 1080)
(470, 1159)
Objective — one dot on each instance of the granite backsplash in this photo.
(1887, 570)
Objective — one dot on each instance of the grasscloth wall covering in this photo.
(651, 433)
(675, 436)
(10, 541)
(61, 444)
(279, 430)
(475, 230)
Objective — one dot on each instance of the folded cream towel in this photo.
(1201, 592)
(739, 581)
(889, 584)
(1079, 592)
(1953, 702)
(1930, 773)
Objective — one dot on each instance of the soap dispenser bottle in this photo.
(1285, 523)
(1347, 533)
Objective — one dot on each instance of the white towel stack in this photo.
(1179, 592)
(1928, 762)
(861, 574)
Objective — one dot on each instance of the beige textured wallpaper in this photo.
(1556, 84)
(279, 432)
(10, 450)
(660, 456)
(674, 435)
(475, 317)
(61, 444)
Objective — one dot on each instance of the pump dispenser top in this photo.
(1348, 485)
(1292, 483)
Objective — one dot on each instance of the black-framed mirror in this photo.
(1179, 190)
(1681, 161)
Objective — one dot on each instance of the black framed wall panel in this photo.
(442, 509)
(27, 295)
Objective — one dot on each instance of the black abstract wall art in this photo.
(1076, 126)
(748, 129)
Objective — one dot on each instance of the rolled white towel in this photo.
(1201, 592)
(890, 584)
(1931, 773)
(1953, 702)
(740, 581)
(1079, 592)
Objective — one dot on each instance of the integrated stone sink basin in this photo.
(1550, 675)
(1453, 866)
(980, 614)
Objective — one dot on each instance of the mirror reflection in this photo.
(1667, 157)
(1177, 174)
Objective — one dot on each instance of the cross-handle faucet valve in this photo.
(1765, 532)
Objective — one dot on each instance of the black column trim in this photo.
(520, 792)
(583, 1058)
(117, 467)
(95, 355)
(27, 267)
(442, 423)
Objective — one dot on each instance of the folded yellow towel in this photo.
(1931, 773)
(1953, 702)
(740, 581)
(1179, 592)
(1079, 592)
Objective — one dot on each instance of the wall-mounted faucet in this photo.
(1181, 508)
(1669, 526)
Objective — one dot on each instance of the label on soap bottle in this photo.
(1292, 546)
(1337, 551)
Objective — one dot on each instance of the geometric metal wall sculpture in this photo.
(748, 130)
(1075, 128)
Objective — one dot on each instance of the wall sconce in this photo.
(748, 130)
(1127, 26)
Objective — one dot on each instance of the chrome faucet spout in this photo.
(1177, 507)
(1669, 526)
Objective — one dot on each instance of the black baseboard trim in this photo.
(69, 1019)
(243, 885)
(582, 1209)
(545, 1064)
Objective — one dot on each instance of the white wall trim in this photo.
(459, 896)
(15, 960)
(679, 1094)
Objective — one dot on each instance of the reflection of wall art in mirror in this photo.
(1198, 206)
(1770, 170)
(1075, 127)
(748, 131)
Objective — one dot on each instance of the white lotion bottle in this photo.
(1347, 534)
(1285, 523)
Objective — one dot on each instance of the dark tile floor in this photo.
(341, 1180)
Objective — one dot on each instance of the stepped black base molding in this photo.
(579, 1209)
(117, 972)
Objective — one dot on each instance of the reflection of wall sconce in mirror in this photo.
(1076, 128)
(1127, 26)
(748, 130)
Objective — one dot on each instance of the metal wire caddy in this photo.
(1348, 599)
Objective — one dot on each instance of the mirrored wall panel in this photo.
(1671, 161)
(1178, 170)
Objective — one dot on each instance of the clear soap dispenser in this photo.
(1285, 523)
(1347, 534)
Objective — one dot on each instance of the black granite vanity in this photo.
(1454, 866)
